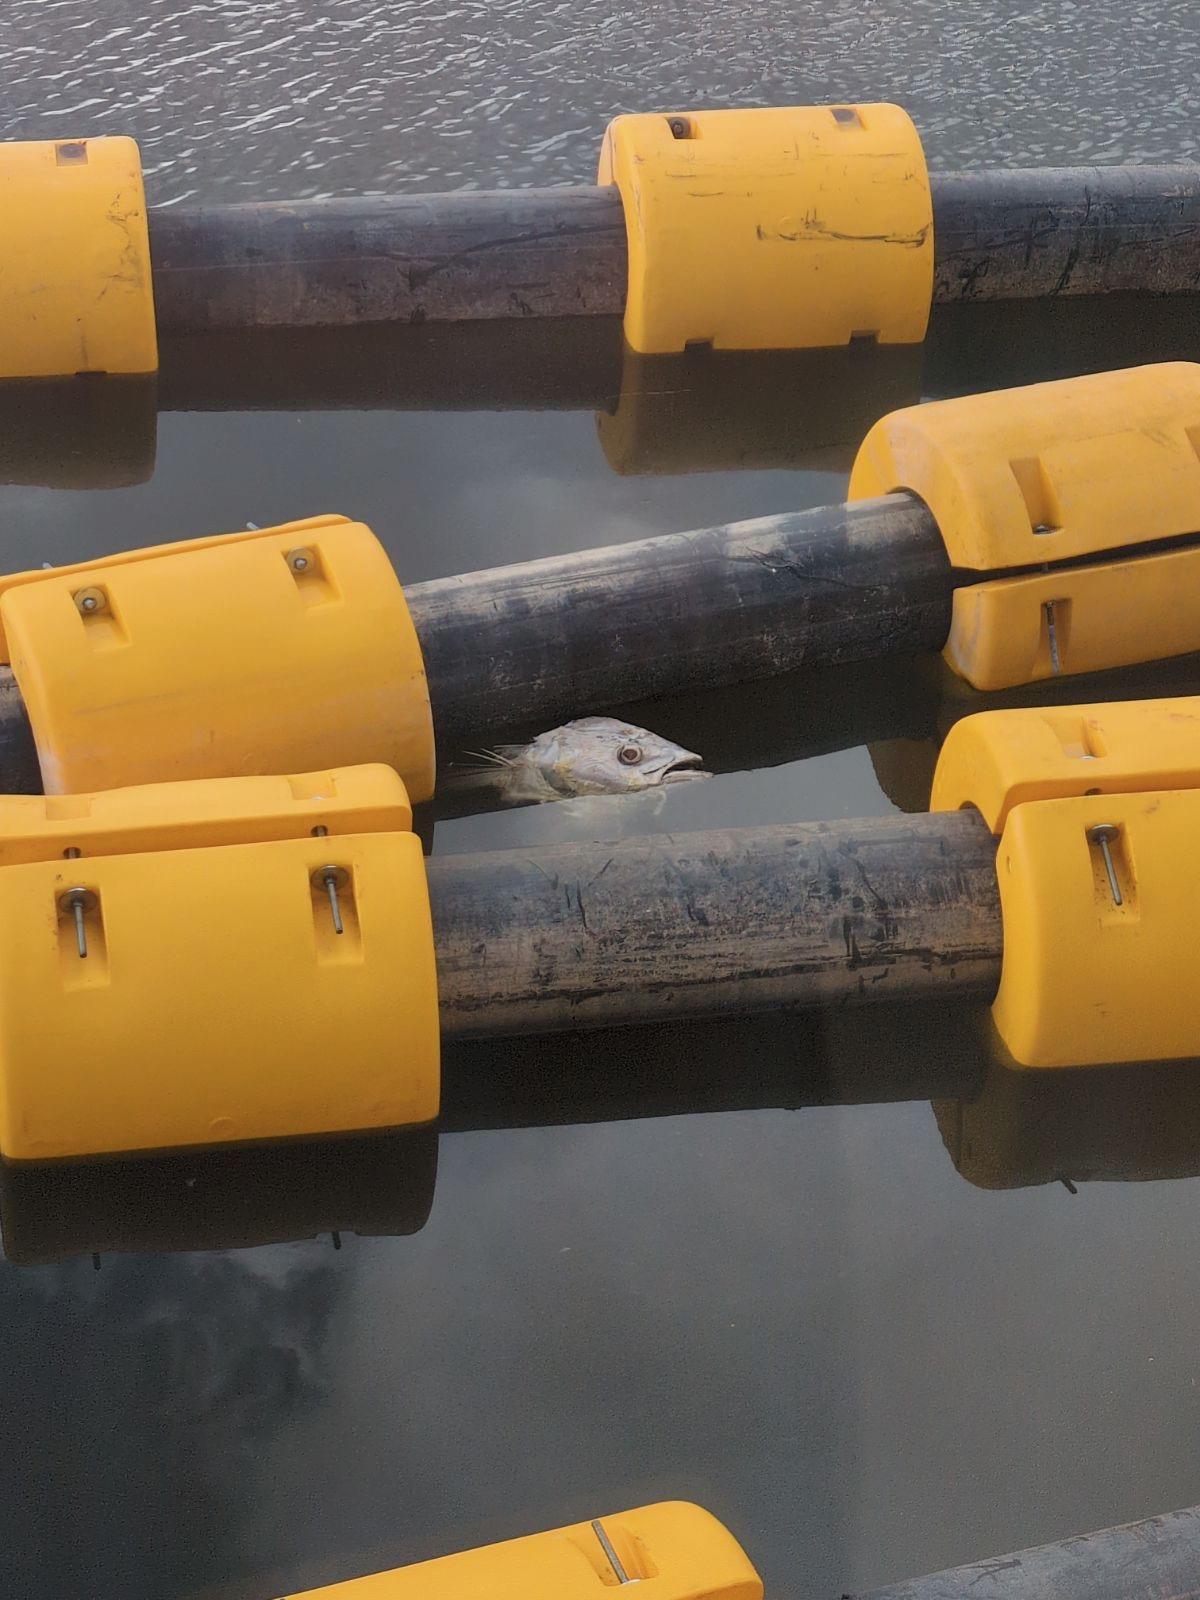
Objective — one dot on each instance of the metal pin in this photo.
(331, 879)
(1103, 835)
(611, 1555)
(1052, 636)
(78, 901)
(299, 560)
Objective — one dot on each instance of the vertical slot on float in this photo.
(310, 574)
(1113, 882)
(314, 786)
(1041, 503)
(335, 912)
(1054, 643)
(82, 944)
(103, 627)
(1079, 737)
(616, 1555)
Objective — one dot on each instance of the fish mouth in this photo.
(683, 769)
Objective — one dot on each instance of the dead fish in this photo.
(592, 755)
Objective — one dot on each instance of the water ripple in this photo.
(266, 98)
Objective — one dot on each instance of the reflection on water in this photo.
(730, 1262)
(138, 1402)
(219, 1200)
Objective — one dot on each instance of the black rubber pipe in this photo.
(1158, 1559)
(561, 252)
(724, 922)
(570, 634)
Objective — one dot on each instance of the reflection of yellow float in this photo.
(1120, 1124)
(728, 411)
(672, 1551)
(373, 1185)
(78, 433)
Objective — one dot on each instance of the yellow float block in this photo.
(1047, 493)
(213, 963)
(671, 1551)
(999, 760)
(76, 292)
(1098, 810)
(785, 228)
(252, 652)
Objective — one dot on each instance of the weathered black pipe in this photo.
(718, 923)
(720, 605)
(562, 252)
(1157, 1559)
(397, 258)
(1029, 234)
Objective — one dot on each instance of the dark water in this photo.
(738, 1263)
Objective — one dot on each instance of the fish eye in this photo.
(629, 755)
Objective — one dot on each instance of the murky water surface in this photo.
(873, 1339)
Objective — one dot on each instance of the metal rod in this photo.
(611, 1555)
(1103, 834)
(331, 889)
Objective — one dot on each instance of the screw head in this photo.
(90, 601)
(680, 127)
(1104, 833)
(299, 560)
(85, 899)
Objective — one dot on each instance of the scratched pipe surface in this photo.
(571, 634)
(1157, 1559)
(717, 923)
(561, 252)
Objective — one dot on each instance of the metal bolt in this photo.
(299, 560)
(78, 901)
(1052, 637)
(332, 879)
(1103, 834)
(611, 1555)
(90, 601)
(680, 127)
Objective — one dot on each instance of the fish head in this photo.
(602, 755)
